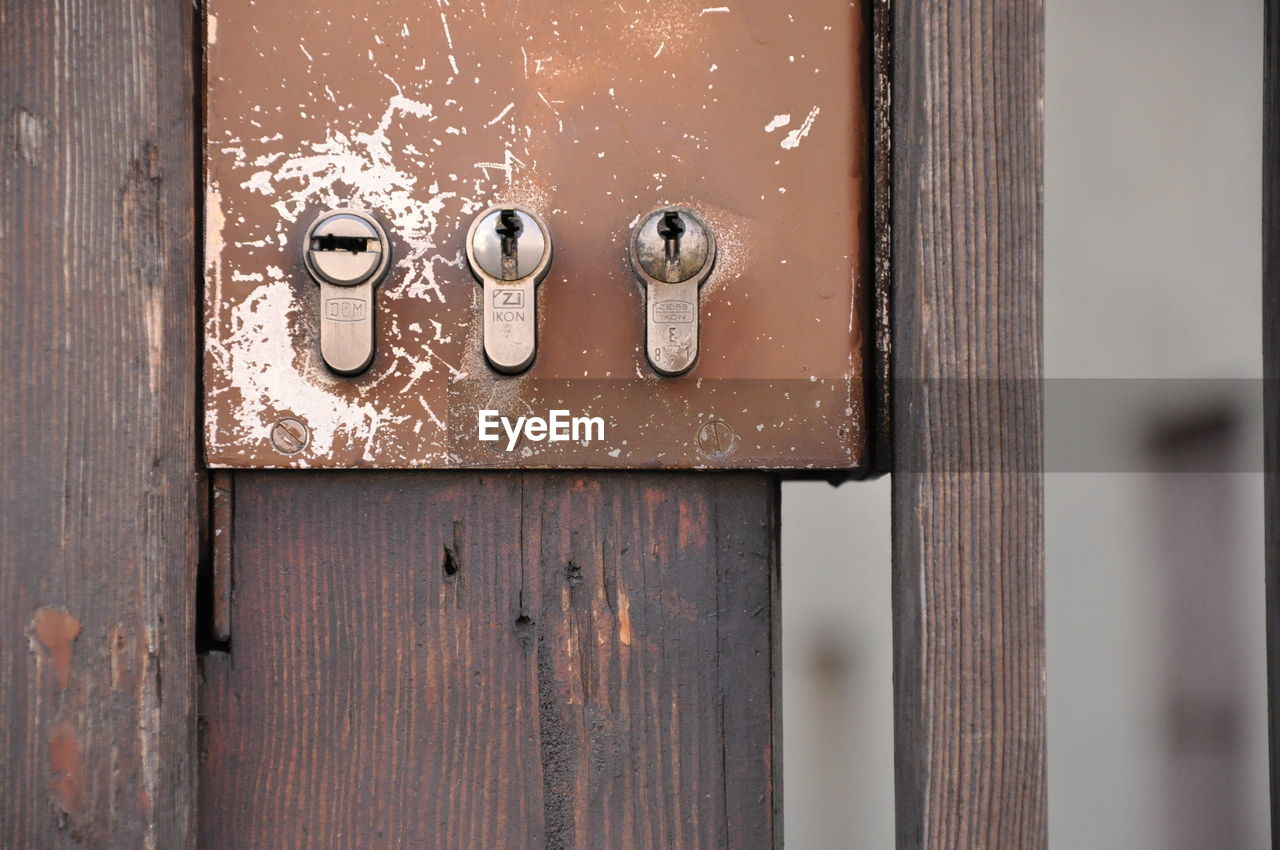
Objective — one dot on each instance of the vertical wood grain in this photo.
(538, 660)
(221, 499)
(1271, 384)
(968, 589)
(98, 469)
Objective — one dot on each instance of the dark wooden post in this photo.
(532, 660)
(969, 674)
(98, 507)
(1271, 383)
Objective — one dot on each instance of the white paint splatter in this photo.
(778, 121)
(793, 138)
(447, 37)
(259, 182)
(713, 9)
(500, 115)
(508, 165)
(254, 342)
(259, 356)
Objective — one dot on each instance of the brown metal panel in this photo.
(754, 114)
(476, 660)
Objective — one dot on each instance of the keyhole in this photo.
(509, 227)
(671, 228)
(332, 242)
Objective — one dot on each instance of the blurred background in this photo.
(1156, 656)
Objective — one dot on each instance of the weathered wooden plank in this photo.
(880, 396)
(98, 478)
(221, 499)
(1271, 384)
(496, 660)
(968, 526)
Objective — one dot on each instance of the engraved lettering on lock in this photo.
(345, 310)
(504, 302)
(673, 311)
(671, 354)
(508, 298)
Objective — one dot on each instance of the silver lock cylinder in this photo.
(347, 253)
(673, 252)
(509, 251)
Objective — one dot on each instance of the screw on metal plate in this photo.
(717, 439)
(509, 251)
(673, 252)
(347, 253)
(290, 436)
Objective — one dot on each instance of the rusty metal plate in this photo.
(753, 114)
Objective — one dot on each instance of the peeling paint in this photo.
(793, 138)
(778, 121)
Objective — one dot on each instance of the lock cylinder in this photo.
(673, 252)
(509, 251)
(347, 253)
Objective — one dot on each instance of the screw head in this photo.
(717, 439)
(696, 245)
(347, 247)
(290, 435)
(491, 227)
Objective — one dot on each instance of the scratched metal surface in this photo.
(753, 113)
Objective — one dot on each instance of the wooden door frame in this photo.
(103, 492)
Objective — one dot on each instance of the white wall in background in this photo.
(1152, 263)
(837, 700)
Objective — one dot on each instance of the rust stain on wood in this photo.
(693, 523)
(56, 629)
(117, 647)
(66, 768)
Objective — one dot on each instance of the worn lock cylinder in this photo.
(347, 253)
(509, 252)
(673, 252)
